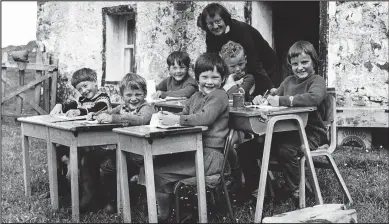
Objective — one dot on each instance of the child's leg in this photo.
(90, 178)
(163, 204)
(108, 180)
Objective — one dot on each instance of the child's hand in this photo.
(274, 100)
(230, 78)
(73, 113)
(104, 118)
(90, 117)
(156, 95)
(56, 110)
(168, 118)
(258, 100)
(239, 82)
(273, 92)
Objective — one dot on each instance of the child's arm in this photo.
(162, 86)
(313, 97)
(142, 118)
(101, 102)
(216, 103)
(247, 84)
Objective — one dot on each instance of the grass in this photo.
(365, 173)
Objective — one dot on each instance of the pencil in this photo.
(265, 93)
(98, 112)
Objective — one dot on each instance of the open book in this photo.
(266, 107)
(154, 122)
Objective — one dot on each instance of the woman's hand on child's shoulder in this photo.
(73, 113)
(56, 110)
(104, 118)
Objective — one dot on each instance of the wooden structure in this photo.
(46, 76)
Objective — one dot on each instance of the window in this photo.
(119, 43)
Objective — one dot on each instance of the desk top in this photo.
(73, 126)
(147, 131)
(253, 112)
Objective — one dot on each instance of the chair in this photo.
(210, 181)
(325, 150)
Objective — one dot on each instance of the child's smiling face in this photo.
(87, 89)
(210, 80)
(237, 65)
(302, 65)
(133, 98)
(178, 72)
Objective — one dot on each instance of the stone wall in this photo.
(73, 32)
(358, 53)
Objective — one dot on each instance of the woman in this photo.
(262, 61)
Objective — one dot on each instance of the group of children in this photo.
(217, 77)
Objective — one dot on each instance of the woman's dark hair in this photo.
(211, 10)
(303, 46)
(207, 62)
(181, 57)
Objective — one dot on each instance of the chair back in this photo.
(329, 117)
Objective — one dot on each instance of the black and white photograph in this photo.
(194, 111)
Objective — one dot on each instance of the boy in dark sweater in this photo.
(91, 100)
(208, 107)
(304, 88)
(180, 83)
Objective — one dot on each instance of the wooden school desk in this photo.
(291, 118)
(69, 133)
(150, 141)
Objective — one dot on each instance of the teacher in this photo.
(220, 28)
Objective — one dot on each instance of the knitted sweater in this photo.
(247, 84)
(210, 110)
(139, 116)
(85, 105)
(184, 88)
(310, 91)
(262, 61)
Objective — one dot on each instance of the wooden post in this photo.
(46, 87)
(3, 74)
(19, 100)
(38, 74)
(53, 92)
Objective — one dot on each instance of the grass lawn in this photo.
(365, 173)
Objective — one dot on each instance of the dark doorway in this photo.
(293, 21)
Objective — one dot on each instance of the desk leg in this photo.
(26, 164)
(118, 183)
(122, 163)
(150, 185)
(307, 152)
(74, 181)
(201, 194)
(52, 167)
(264, 169)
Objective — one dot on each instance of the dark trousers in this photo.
(285, 148)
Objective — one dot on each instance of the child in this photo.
(235, 59)
(135, 111)
(91, 100)
(208, 107)
(180, 83)
(304, 88)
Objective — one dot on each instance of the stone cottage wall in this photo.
(73, 32)
(358, 52)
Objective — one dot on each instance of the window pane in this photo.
(130, 31)
(128, 60)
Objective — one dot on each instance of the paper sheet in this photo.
(266, 107)
(70, 118)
